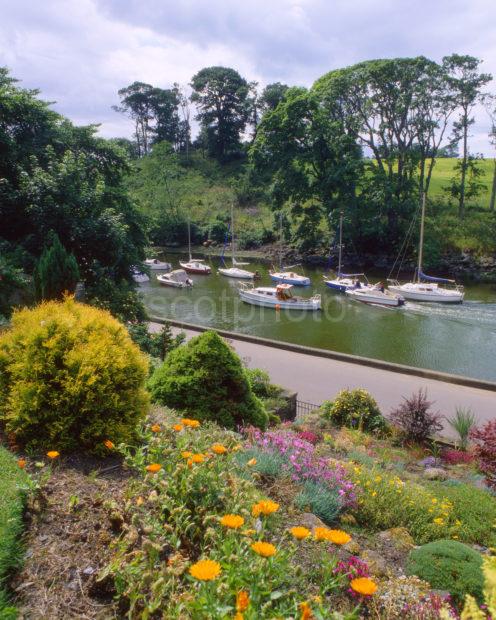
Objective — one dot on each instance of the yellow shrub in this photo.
(70, 377)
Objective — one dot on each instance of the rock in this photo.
(397, 537)
(88, 571)
(378, 565)
(435, 473)
(310, 521)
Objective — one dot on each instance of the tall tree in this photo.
(272, 95)
(136, 102)
(221, 95)
(56, 272)
(490, 103)
(467, 83)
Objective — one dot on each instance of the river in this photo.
(458, 339)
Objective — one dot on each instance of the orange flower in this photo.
(177, 427)
(109, 444)
(21, 463)
(242, 601)
(219, 448)
(321, 533)
(198, 458)
(251, 462)
(264, 507)
(155, 428)
(363, 586)
(266, 550)
(306, 611)
(233, 522)
(300, 532)
(153, 468)
(186, 454)
(53, 454)
(338, 537)
(139, 501)
(205, 570)
(190, 423)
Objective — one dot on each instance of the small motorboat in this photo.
(177, 278)
(345, 281)
(376, 295)
(140, 277)
(278, 297)
(196, 265)
(289, 277)
(236, 272)
(154, 263)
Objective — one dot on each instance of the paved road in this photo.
(317, 379)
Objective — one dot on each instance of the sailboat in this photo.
(196, 265)
(424, 287)
(344, 281)
(284, 276)
(235, 271)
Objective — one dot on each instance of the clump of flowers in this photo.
(153, 468)
(457, 457)
(352, 569)
(219, 448)
(233, 522)
(205, 570)
(264, 507)
(309, 436)
(189, 422)
(242, 601)
(264, 549)
(155, 428)
(300, 533)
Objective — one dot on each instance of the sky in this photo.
(80, 52)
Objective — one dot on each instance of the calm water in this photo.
(456, 339)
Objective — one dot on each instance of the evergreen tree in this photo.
(56, 273)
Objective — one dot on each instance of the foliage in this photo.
(12, 280)
(182, 508)
(158, 344)
(12, 481)
(448, 565)
(320, 500)
(415, 419)
(70, 377)
(119, 298)
(355, 409)
(463, 422)
(485, 440)
(56, 272)
(260, 383)
(267, 464)
(471, 610)
(206, 378)
(457, 457)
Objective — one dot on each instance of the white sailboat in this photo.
(284, 276)
(235, 271)
(375, 295)
(424, 287)
(196, 265)
(277, 297)
(344, 281)
(154, 263)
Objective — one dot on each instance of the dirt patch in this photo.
(71, 526)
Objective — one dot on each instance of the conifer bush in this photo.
(56, 273)
(70, 377)
(206, 378)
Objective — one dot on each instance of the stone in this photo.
(377, 564)
(310, 521)
(397, 537)
(435, 473)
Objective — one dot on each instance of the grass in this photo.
(12, 479)
(443, 171)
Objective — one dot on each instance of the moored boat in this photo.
(375, 295)
(235, 271)
(194, 265)
(155, 264)
(278, 297)
(177, 279)
(289, 277)
(140, 277)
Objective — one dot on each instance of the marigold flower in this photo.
(242, 601)
(251, 462)
(190, 423)
(21, 463)
(177, 427)
(338, 537)
(363, 586)
(321, 533)
(53, 454)
(299, 532)
(153, 468)
(186, 454)
(264, 507)
(219, 448)
(109, 444)
(198, 458)
(266, 550)
(155, 428)
(232, 521)
(205, 570)
(306, 611)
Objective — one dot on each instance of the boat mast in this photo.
(232, 233)
(421, 240)
(280, 241)
(340, 242)
(189, 239)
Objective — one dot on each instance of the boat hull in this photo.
(448, 297)
(336, 286)
(196, 270)
(281, 279)
(160, 266)
(276, 304)
(375, 298)
(239, 274)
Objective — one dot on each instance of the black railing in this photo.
(302, 408)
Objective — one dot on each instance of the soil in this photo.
(71, 527)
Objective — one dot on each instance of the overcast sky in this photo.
(80, 52)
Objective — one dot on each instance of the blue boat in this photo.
(345, 281)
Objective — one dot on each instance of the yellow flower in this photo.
(306, 611)
(155, 428)
(53, 454)
(177, 427)
(198, 458)
(252, 462)
(266, 550)
(190, 423)
(21, 463)
(205, 570)
(321, 533)
(153, 468)
(338, 537)
(242, 601)
(108, 444)
(264, 507)
(439, 521)
(219, 448)
(363, 586)
(186, 455)
(233, 522)
(300, 532)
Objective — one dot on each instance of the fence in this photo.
(302, 408)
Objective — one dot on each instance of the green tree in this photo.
(272, 95)
(466, 83)
(56, 273)
(222, 98)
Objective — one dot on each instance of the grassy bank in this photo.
(12, 480)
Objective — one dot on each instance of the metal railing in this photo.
(302, 408)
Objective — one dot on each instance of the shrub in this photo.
(119, 298)
(70, 377)
(260, 383)
(56, 273)
(462, 422)
(448, 565)
(356, 409)
(485, 451)
(456, 457)
(267, 464)
(205, 377)
(471, 610)
(320, 500)
(157, 344)
(415, 419)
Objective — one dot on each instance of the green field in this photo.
(443, 171)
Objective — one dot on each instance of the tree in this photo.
(56, 273)
(272, 95)
(491, 109)
(466, 83)
(136, 102)
(221, 95)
